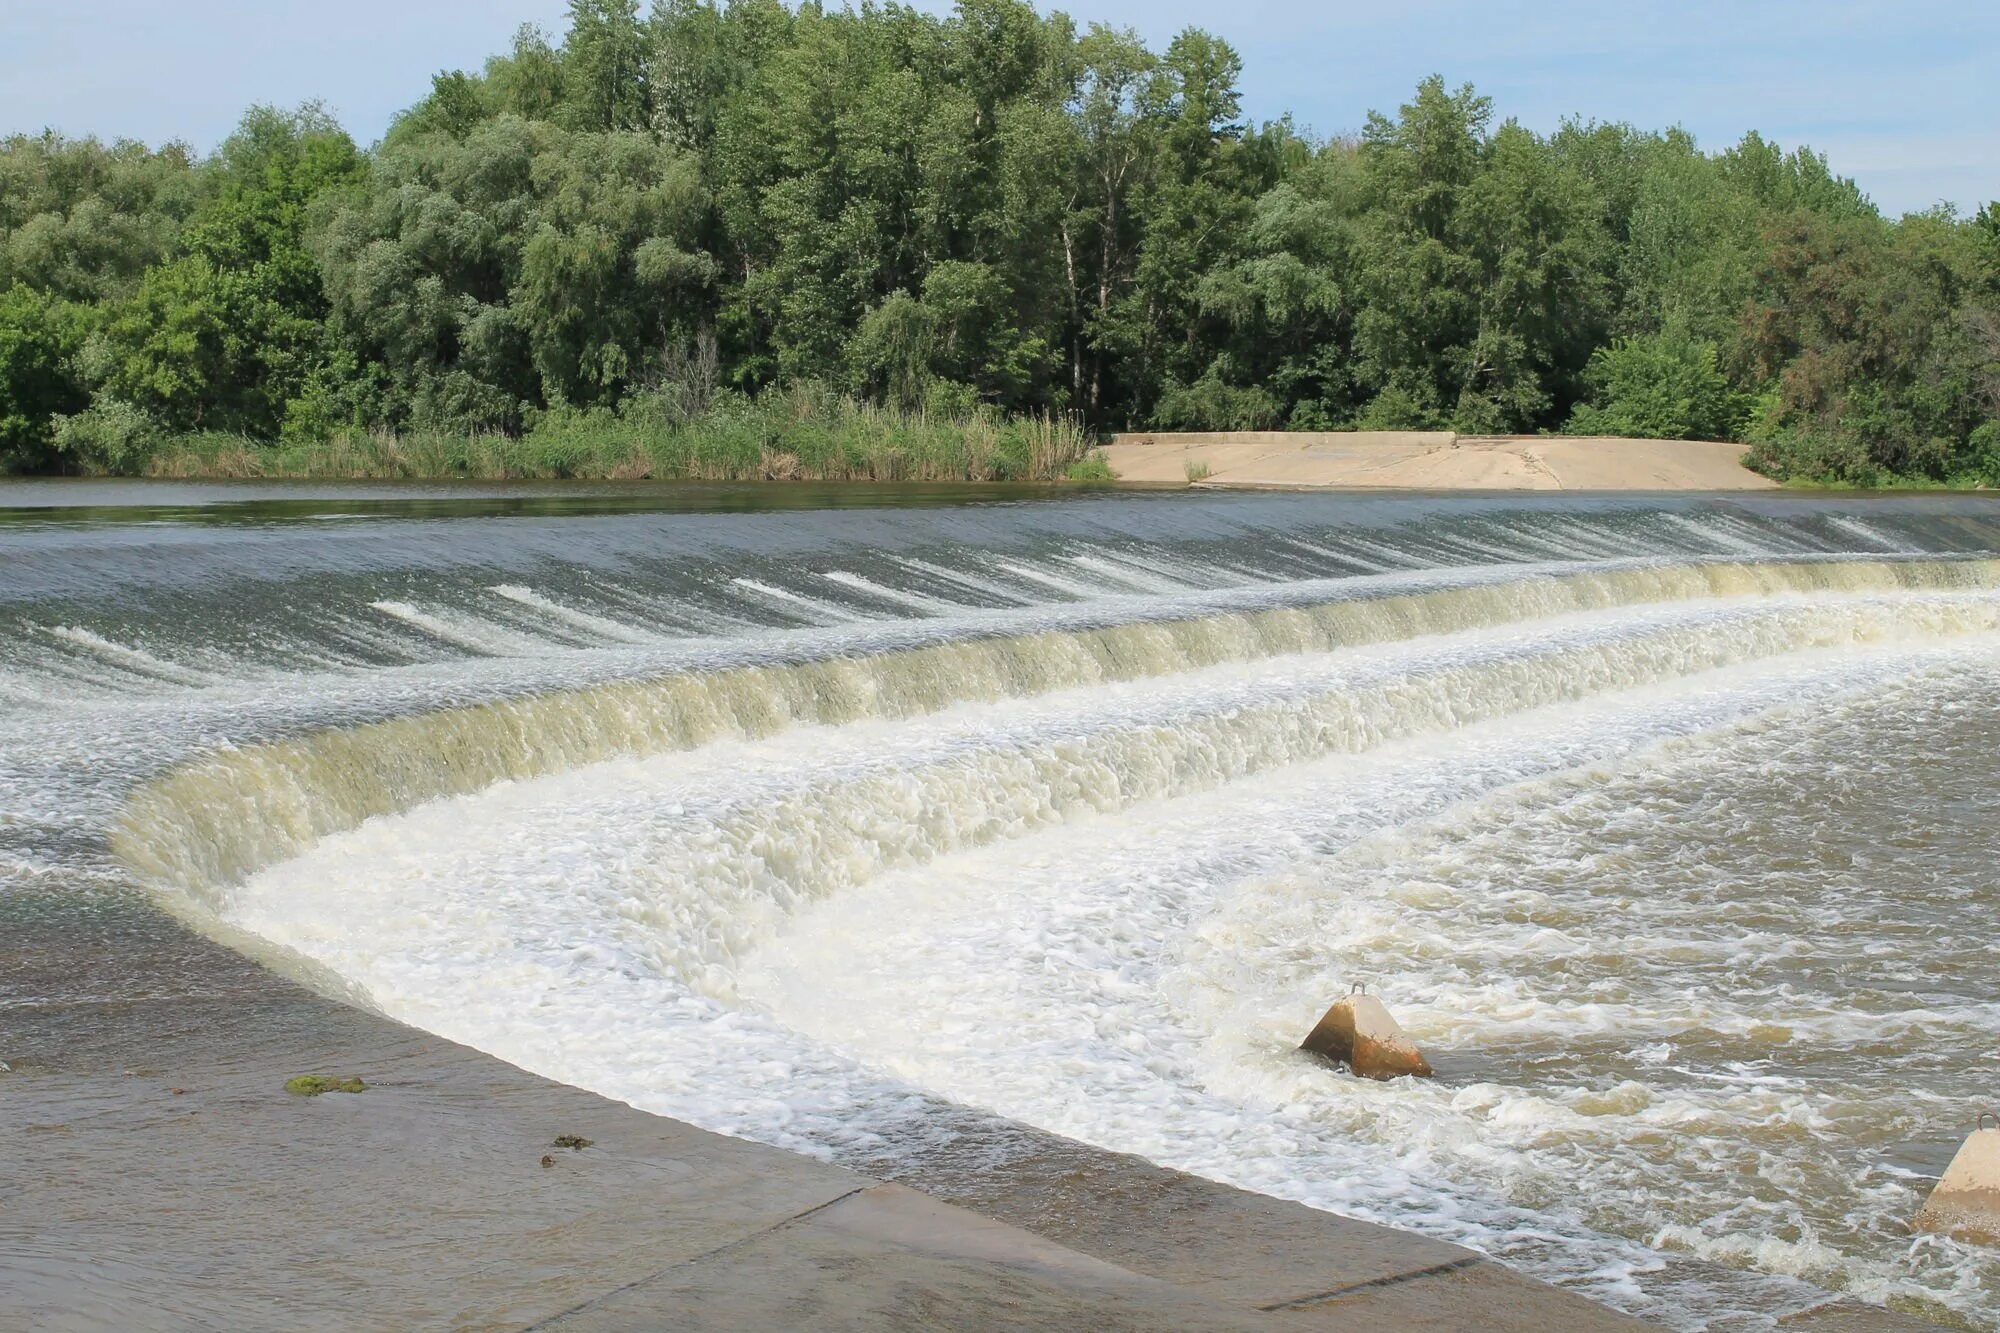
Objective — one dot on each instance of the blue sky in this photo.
(1898, 95)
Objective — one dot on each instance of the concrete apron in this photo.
(153, 1174)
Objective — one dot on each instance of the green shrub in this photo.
(110, 435)
(1397, 408)
(37, 380)
(1662, 386)
(1212, 403)
(1091, 467)
(1982, 454)
(1816, 457)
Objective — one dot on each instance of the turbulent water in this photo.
(1668, 827)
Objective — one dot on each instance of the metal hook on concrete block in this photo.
(1966, 1202)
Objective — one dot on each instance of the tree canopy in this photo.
(994, 208)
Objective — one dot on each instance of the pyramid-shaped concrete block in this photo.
(1359, 1032)
(1966, 1202)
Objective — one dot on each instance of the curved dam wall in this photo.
(203, 827)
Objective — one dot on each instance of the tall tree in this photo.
(226, 334)
(519, 266)
(37, 338)
(604, 75)
(1419, 308)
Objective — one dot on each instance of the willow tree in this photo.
(227, 333)
(518, 266)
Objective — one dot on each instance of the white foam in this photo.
(813, 608)
(914, 600)
(128, 658)
(474, 635)
(1048, 907)
(600, 627)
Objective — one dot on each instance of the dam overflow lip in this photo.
(136, 649)
(72, 501)
(114, 500)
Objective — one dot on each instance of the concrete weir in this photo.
(155, 1174)
(217, 711)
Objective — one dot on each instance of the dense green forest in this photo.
(743, 239)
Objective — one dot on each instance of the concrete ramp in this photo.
(1429, 460)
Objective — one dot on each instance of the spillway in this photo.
(1667, 824)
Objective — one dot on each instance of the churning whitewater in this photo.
(1668, 828)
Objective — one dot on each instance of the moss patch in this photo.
(574, 1142)
(312, 1085)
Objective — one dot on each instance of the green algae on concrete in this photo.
(312, 1085)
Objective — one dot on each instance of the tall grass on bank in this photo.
(800, 434)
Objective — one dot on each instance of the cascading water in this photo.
(1666, 824)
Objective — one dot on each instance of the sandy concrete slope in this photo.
(1431, 460)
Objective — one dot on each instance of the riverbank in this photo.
(805, 434)
(1429, 460)
(808, 436)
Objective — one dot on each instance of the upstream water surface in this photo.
(1667, 826)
